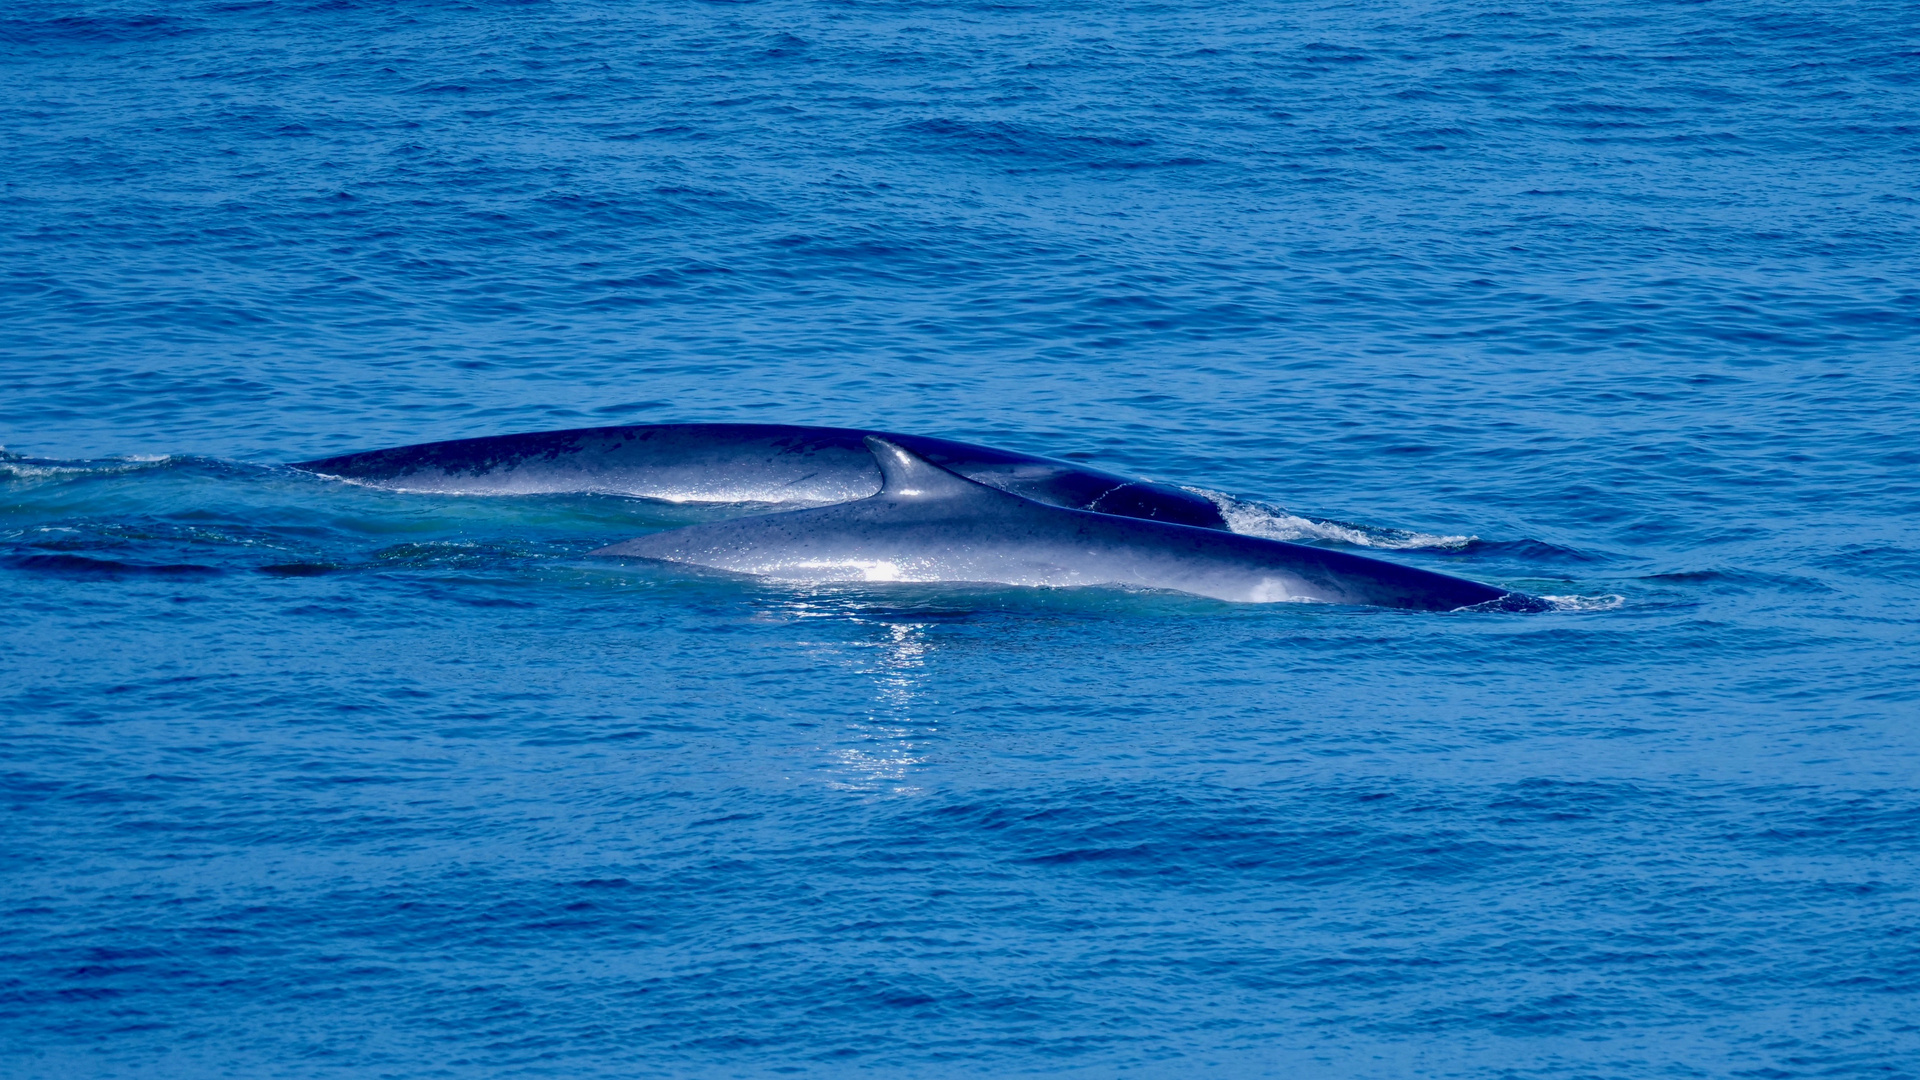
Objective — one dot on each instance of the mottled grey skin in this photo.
(740, 463)
(929, 524)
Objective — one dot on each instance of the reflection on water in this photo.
(879, 750)
(884, 749)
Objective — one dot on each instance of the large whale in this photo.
(931, 524)
(742, 463)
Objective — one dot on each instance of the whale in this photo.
(780, 464)
(932, 524)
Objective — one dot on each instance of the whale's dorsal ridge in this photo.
(906, 475)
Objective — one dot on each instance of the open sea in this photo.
(1616, 303)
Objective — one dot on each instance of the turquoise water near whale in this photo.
(1613, 303)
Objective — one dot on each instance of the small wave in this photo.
(85, 566)
(1274, 523)
(92, 30)
(15, 467)
(1585, 603)
(298, 569)
(1535, 551)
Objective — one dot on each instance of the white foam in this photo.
(1274, 523)
(15, 468)
(1585, 603)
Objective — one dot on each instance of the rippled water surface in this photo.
(1612, 303)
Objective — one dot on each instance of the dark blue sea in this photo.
(1613, 303)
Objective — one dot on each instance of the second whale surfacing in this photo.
(741, 463)
(928, 524)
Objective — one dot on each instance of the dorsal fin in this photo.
(906, 475)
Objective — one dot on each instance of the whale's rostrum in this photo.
(928, 524)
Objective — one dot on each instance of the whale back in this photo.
(780, 464)
(930, 524)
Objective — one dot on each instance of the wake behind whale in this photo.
(930, 524)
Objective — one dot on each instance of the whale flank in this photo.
(931, 524)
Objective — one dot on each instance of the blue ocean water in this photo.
(1618, 303)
